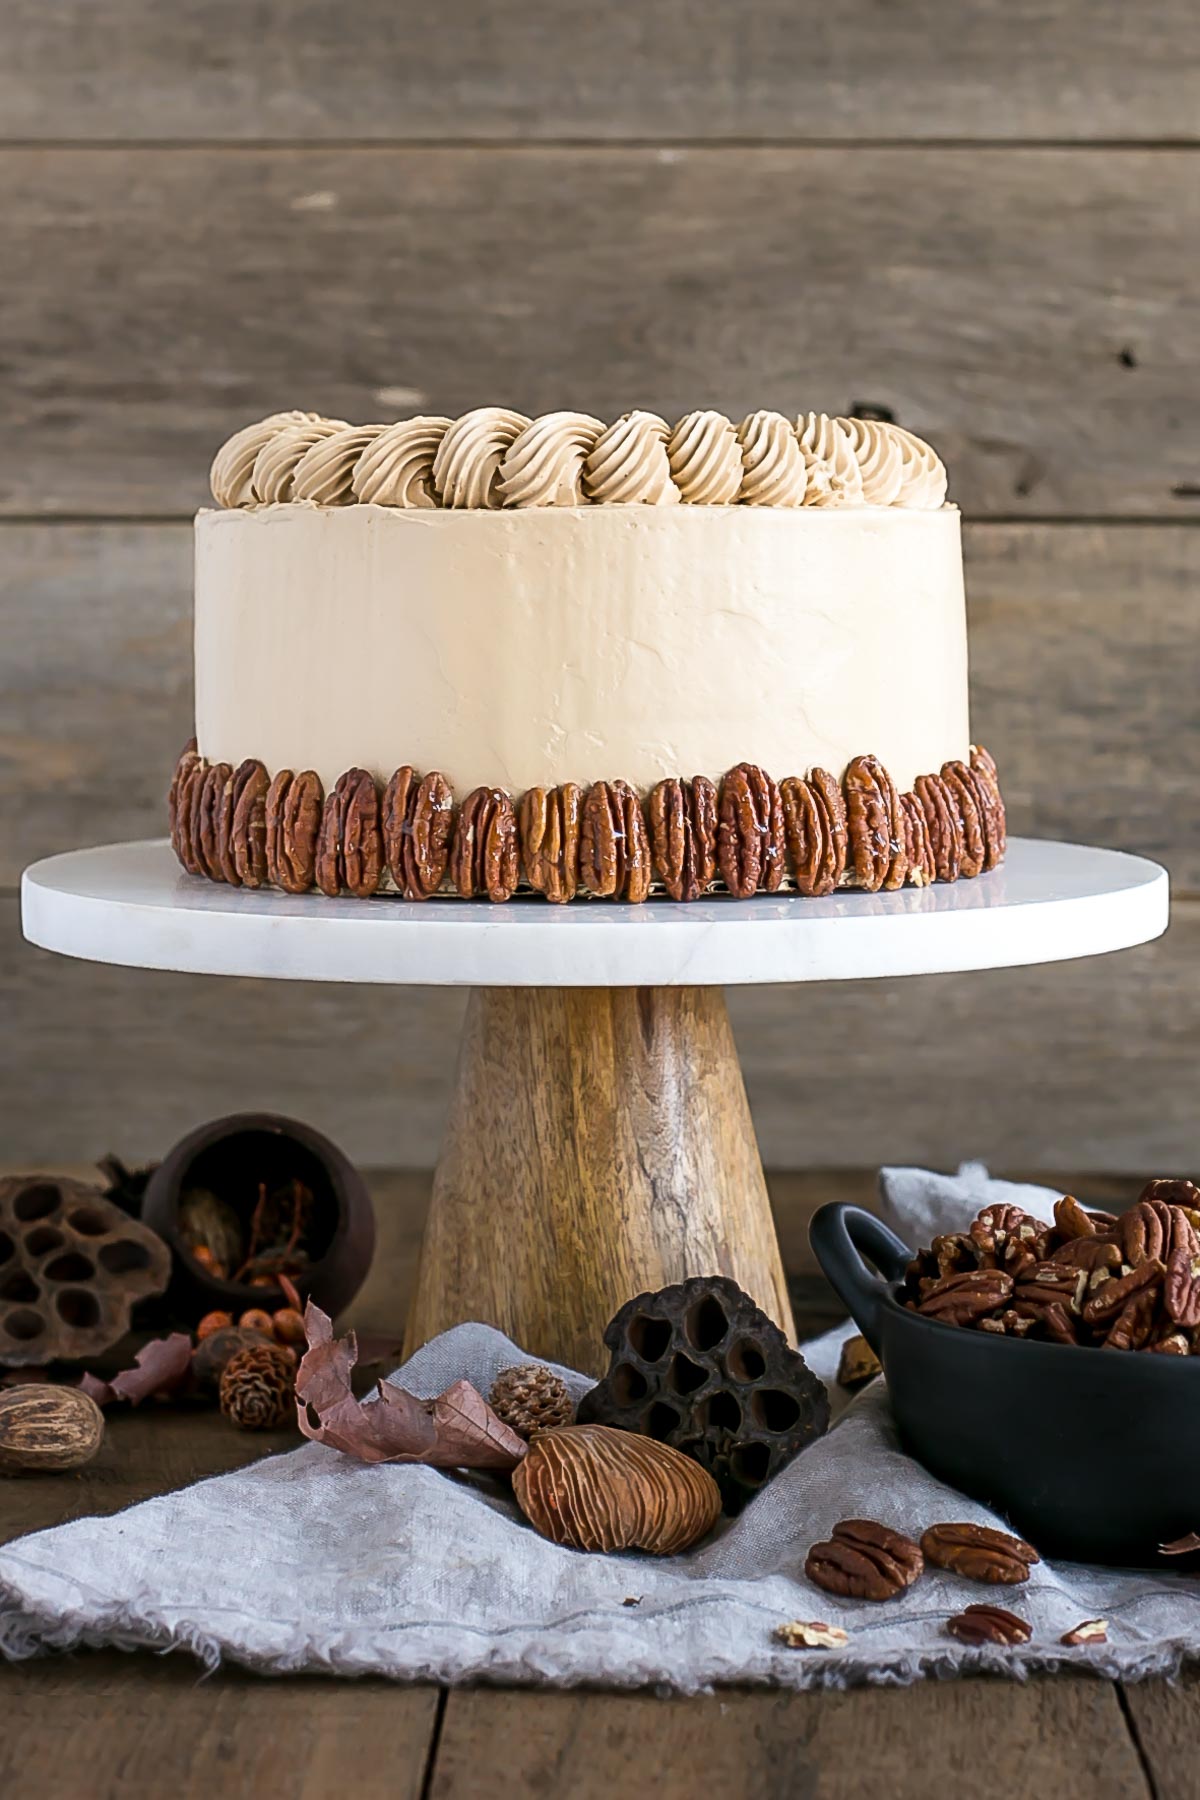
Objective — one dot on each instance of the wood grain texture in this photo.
(1166, 1719)
(1064, 1737)
(599, 1144)
(1078, 1063)
(117, 1727)
(1028, 310)
(536, 69)
(95, 682)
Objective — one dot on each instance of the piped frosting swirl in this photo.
(396, 468)
(544, 465)
(466, 469)
(628, 464)
(705, 459)
(491, 458)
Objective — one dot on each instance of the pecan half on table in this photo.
(989, 1625)
(979, 1552)
(865, 1561)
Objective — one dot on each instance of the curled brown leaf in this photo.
(458, 1430)
(159, 1367)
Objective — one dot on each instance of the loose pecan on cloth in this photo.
(865, 1561)
(979, 1552)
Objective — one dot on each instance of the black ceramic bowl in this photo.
(1091, 1454)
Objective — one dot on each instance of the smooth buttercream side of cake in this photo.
(529, 648)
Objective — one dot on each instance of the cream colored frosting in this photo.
(879, 459)
(532, 646)
(705, 459)
(491, 457)
(923, 474)
(834, 477)
(233, 465)
(466, 469)
(324, 473)
(773, 468)
(628, 464)
(396, 469)
(273, 475)
(544, 466)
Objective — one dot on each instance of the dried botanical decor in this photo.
(45, 1429)
(257, 1388)
(531, 1398)
(593, 1488)
(700, 1367)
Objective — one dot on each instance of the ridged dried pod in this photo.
(45, 1429)
(594, 1488)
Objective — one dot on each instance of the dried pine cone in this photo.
(258, 1388)
(531, 1398)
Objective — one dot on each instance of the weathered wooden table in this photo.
(108, 1726)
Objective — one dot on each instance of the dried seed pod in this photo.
(699, 1366)
(258, 1388)
(980, 1553)
(45, 1429)
(213, 1354)
(989, 1625)
(595, 1488)
(213, 1321)
(531, 1398)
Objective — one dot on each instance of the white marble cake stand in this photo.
(599, 1140)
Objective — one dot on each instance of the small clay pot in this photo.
(230, 1157)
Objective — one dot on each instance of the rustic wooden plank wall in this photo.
(982, 216)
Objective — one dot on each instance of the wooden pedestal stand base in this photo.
(599, 1144)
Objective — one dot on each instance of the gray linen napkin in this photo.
(309, 1561)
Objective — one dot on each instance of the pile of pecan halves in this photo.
(864, 1560)
(748, 832)
(1124, 1283)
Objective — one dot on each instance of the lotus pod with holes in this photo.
(700, 1367)
(72, 1267)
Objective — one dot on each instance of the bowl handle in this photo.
(841, 1237)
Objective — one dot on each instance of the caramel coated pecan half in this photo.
(961, 790)
(683, 835)
(1181, 1288)
(417, 821)
(995, 823)
(751, 840)
(244, 855)
(549, 828)
(961, 1299)
(294, 808)
(943, 824)
(1110, 1297)
(864, 1560)
(485, 851)
(185, 762)
(989, 1625)
(614, 846)
(815, 831)
(350, 847)
(979, 1552)
(878, 835)
(215, 802)
(922, 869)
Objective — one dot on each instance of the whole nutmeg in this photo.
(213, 1321)
(595, 1488)
(257, 1319)
(288, 1325)
(45, 1429)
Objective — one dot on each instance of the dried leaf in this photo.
(458, 1430)
(159, 1367)
(1181, 1546)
